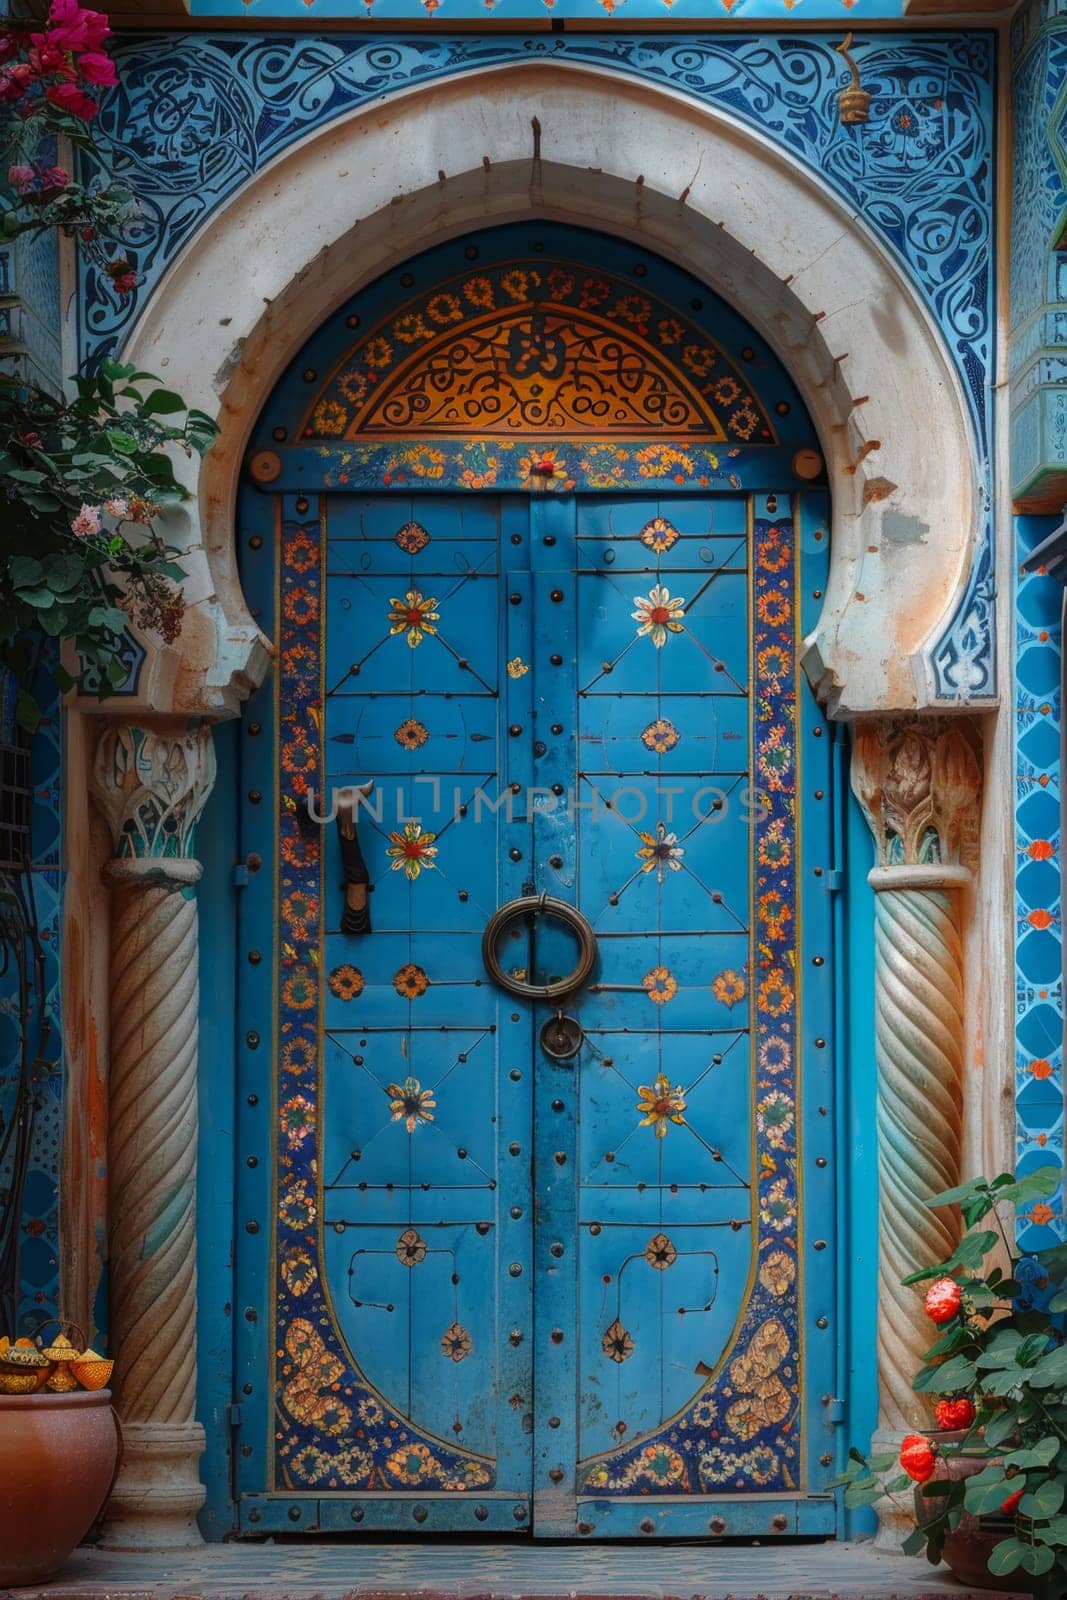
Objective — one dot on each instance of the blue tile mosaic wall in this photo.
(196, 115)
(1038, 911)
(38, 1286)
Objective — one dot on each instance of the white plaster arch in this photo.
(369, 190)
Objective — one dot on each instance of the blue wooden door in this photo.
(483, 1284)
(509, 1286)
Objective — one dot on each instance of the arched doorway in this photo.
(536, 523)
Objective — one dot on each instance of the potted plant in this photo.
(991, 1479)
(59, 1448)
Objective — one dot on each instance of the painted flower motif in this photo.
(479, 292)
(300, 991)
(634, 309)
(378, 353)
(776, 758)
(776, 915)
(774, 1117)
(410, 1103)
(414, 616)
(412, 851)
(660, 852)
(517, 667)
(299, 1271)
(329, 418)
(660, 736)
(761, 1464)
(773, 664)
(658, 534)
(456, 1343)
(658, 1464)
(410, 1248)
(775, 547)
(729, 987)
(744, 421)
(705, 1413)
(410, 328)
(411, 538)
(660, 1105)
(778, 1273)
(298, 911)
(297, 1118)
(775, 1055)
(660, 985)
(515, 284)
(660, 1253)
(346, 981)
(353, 385)
(777, 1208)
(774, 608)
(443, 309)
(298, 1208)
(411, 981)
(301, 555)
(776, 993)
(543, 469)
(658, 614)
(298, 1056)
(670, 330)
(746, 1417)
(699, 359)
(330, 1415)
(616, 1343)
(726, 391)
(411, 734)
(370, 1413)
(412, 1463)
(775, 849)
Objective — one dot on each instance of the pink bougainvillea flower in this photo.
(117, 507)
(16, 81)
(71, 27)
(87, 522)
(55, 178)
(97, 68)
(68, 97)
(21, 179)
(125, 282)
(46, 60)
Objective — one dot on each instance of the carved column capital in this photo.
(151, 784)
(919, 784)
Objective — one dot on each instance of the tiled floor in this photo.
(297, 1571)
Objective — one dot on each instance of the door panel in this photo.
(506, 1290)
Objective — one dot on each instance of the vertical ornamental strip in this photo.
(919, 787)
(151, 785)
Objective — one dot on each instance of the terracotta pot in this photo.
(966, 1552)
(57, 1460)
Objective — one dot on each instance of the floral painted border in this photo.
(332, 1429)
(741, 1432)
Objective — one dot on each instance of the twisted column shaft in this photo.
(153, 1137)
(919, 999)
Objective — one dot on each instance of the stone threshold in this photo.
(441, 1570)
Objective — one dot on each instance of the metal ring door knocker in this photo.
(561, 1036)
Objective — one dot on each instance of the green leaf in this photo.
(1051, 1369)
(25, 572)
(163, 402)
(954, 1339)
(41, 599)
(972, 1250)
(125, 443)
(954, 1374)
(116, 672)
(1037, 1559)
(964, 1191)
(979, 1498)
(915, 1543)
(1054, 1531)
(1035, 1186)
(1006, 1557)
(63, 571)
(1045, 1500)
(1058, 1301)
(1000, 1427)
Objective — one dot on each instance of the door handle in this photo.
(539, 905)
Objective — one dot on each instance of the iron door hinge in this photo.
(835, 880)
(240, 876)
(835, 1410)
(234, 1414)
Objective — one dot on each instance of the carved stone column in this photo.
(151, 785)
(919, 787)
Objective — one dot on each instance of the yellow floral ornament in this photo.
(412, 851)
(517, 667)
(658, 613)
(410, 1103)
(661, 1105)
(413, 614)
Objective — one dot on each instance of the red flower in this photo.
(1008, 1506)
(71, 28)
(97, 68)
(943, 1300)
(918, 1457)
(68, 97)
(16, 81)
(46, 60)
(953, 1414)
